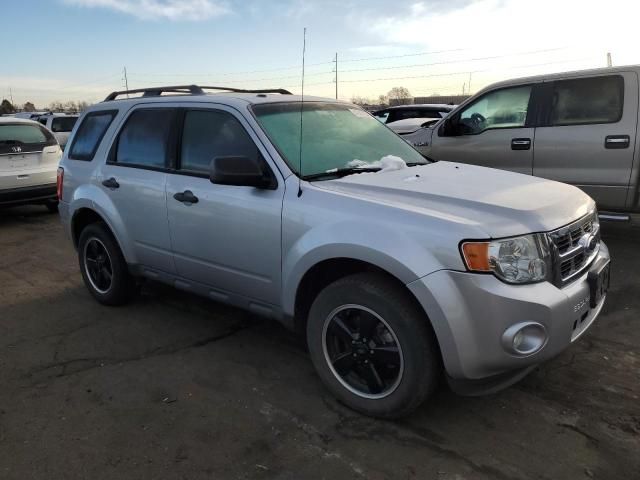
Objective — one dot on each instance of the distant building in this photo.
(446, 99)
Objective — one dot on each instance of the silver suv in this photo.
(395, 269)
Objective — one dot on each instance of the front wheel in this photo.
(373, 346)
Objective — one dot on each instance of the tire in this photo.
(121, 286)
(370, 298)
(52, 206)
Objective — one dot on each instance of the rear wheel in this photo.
(372, 346)
(104, 269)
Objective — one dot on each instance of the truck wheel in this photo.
(104, 269)
(372, 346)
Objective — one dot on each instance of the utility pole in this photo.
(609, 61)
(469, 84)
(11, 95)
(336, 70)
(126, 81)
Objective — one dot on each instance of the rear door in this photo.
(29, 155)
(496, 130)
(587, 135)
(134, 179)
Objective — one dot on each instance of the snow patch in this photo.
(386, 164)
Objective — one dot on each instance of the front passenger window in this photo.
(506, 108)
(209, 134)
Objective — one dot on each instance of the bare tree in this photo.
(82, 106)
(399, 95)
(29, 107)
(56, 106)
(383, 99)
(70, 106)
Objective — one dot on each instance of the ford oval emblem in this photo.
(588, 241)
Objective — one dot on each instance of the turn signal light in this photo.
(476, 256)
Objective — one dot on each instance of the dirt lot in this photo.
(175, 387)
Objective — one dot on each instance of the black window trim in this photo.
(529, 122)
(547, 99)
(169, 160)
(89, 158)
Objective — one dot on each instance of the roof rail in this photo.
(188, 89)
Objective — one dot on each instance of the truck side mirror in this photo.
(450, 127)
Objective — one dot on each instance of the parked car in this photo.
(29, 115)
(403, 112)
(61, 124)
(411, 125)
(395, 269)
(577, 127)
(29, 156)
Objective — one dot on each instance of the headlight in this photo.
(514, 260)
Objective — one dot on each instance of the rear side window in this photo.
(24, 138)
(63, 124)
(90, 134)
(144, 139)
(208, 134)
(587, 100)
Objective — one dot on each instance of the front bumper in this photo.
(26, 195)
(470, 312)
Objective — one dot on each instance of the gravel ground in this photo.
(176, 387)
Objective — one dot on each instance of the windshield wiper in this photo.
(340, 172)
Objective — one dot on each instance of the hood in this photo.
(410, 125)
(495, 202)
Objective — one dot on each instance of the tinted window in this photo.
(63, 124)
(23, 138)
(210, 134)
(406, 113)
(587, 100)
(143, 140)
(89, 135)
(506, 108)
(43, 121)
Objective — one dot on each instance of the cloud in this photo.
(190, 10)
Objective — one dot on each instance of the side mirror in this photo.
(240, 171)
(449, 127)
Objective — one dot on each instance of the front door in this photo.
(492, 131)
(588, 135)
(227, 237)
(134, 179)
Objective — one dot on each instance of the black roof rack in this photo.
(189, 89)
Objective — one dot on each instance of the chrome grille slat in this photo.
(571, 257)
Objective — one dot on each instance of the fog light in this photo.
(524, 338)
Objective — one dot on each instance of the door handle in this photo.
(111, 183)
(186, 197)
(521, 144)
(617, 141)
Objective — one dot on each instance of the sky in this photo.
(60, 50)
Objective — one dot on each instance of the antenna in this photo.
(304, 51)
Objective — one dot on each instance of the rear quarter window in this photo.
(90, 134)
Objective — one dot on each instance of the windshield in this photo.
(335, 136)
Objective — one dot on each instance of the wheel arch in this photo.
(327, 271)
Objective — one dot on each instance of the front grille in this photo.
(571, 244)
